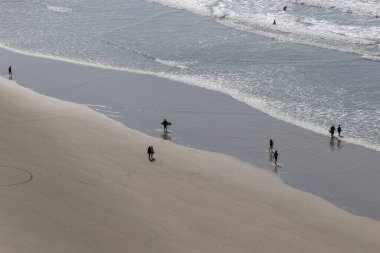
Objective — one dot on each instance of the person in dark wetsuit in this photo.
(10, 73)
(275, 157)
(165, 123)
(285, 7)
(339, 130)
(274, 22)
(332, 131)
(270, 146)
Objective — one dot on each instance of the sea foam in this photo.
(59, 9)
(365, 8)
(257, 17)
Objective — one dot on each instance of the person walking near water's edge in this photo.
(270, 146)
(10, 76)
(339, 130)
(275, 157)
(332, 131)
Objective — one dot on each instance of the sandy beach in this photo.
(73, 180)
(346, 175)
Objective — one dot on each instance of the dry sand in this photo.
(72, 180)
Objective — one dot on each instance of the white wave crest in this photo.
(176, 64)
(59, 9)
(364, 8)
(257, 17)
(199, 7)
(334, 39)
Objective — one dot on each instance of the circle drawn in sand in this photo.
(10, 176)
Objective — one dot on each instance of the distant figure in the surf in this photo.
(332, 131)
(10, 76)
(285, 7)
(274, 22)
(150, 153)
(339, 130)
(165, 123)
(270, 146)
(275, 157)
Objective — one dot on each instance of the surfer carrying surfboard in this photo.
(165, 123)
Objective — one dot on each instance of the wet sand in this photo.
(346, 175)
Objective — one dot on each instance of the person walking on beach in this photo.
(270, 146)
(332, 131)
(165, 123)
(339, 130)
(10, 73)
(150, 153)
(275, 157)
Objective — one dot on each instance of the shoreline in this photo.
(309, 161)
(94, 190)
(278, 116)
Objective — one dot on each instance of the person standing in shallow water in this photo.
(270, 146)
(275, 157)
(332, 131)
(339, 130)
(10, 73)
(165, 123)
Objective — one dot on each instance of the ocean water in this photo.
(318, 66)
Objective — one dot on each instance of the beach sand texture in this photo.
(73, 180)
